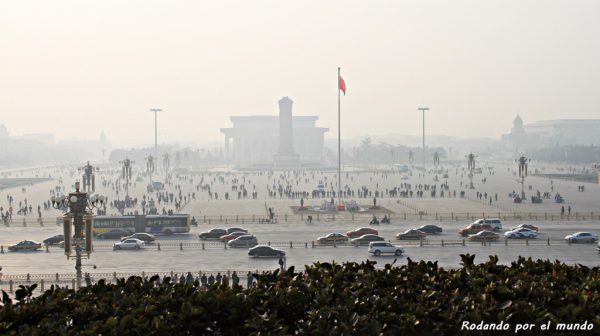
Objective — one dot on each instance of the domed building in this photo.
(517, 136)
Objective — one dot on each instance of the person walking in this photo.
(562, 210)
(569, 210)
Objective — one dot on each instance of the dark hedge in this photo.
(418, 298)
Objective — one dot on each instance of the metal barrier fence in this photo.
(352, 216)
(205, 245)
(11, 283)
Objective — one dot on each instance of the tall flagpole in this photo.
(339, 145)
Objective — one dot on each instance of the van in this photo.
(494, 222)
(474, 228)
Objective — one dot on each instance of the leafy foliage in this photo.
(338, 299)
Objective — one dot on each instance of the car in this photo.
(145, 237)
(54, 239)
(582, 237)
(331, 237)
(495, 223)
(131, 243)
(526, 226)
(520, 233)
(232, 236)
(367, 238)
(236, 229)
(378, 248)
(474, 228)
(404, 177)
(430, 229)
(484, 235)
(265, 251)
(243, 241)
(114, 234)
(213, 234)
(361, 231)
(411, 234)
(25, 245)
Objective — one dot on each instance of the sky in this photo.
(75, 68)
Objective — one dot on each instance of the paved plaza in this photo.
(184, 252)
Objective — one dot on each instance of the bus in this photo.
(154, 224)
(402, 168)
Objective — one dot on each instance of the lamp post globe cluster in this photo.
(78, 207)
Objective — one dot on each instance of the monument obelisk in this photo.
(286, 157)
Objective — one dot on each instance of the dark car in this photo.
(54, 239)
(236, 229)
(145, 237)
(243, 241)
(114, 234)
(411, 234)
(365, 239)
(430, 229)
(213, 234)
(25, 245)
(265, 251)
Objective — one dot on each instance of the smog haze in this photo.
(74, 68)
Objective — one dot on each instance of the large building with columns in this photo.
(275, 139)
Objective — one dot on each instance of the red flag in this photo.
(342, 84)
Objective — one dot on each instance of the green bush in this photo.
(418, 298)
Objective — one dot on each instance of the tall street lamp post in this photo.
(80, 205)
(522, 163)
(423, 109)
(155, 110)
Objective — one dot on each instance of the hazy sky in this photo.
(73, 68)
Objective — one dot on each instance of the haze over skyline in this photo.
(75, 68)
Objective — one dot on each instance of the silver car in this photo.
(243, 241)
(131, 243)
(581, 237)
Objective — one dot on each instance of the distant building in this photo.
(553, 132)
(257, 140)
(3, 132)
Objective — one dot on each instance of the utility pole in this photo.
(423, 109)
(155, 110)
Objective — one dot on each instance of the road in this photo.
(215, 258)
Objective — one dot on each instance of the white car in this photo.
(377, 248)
(520, 233)
(582, 237)
(132, 244)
